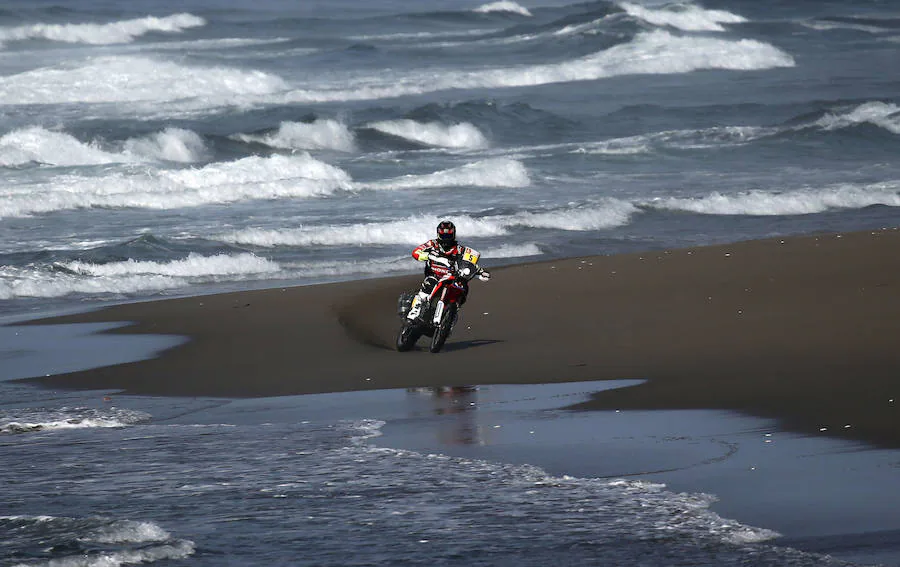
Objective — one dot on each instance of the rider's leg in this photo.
(421, 298)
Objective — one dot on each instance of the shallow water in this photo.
(496, 476)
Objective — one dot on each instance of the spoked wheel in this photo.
(443, 330)
(409, 334)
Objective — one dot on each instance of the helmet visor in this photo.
(446, 242)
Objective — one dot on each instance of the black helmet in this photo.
(446, 235)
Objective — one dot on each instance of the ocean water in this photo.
(99, 479)
(156, 149)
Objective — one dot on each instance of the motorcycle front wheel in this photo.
(406, 339)
(443, 330)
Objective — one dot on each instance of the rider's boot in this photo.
(420, 301)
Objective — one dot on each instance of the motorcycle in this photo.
(439, 313)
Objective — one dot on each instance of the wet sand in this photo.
(801, 330)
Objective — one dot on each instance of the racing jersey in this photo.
(422, 251)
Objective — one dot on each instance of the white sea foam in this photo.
(677, 139)
(503, 6)
(410, 230)
(657, 52)
(112, 542)
(172, 144)
(494, 172)
(33, 283)
(145, 83)
(823, 25)
(127, 531)
(176, 550)
(123, 31)
(585, 28)
(463, 135)
(513, 251)
(797, 202)
(30, 420)
(687, 17)
(404, 231)
(881, 114)
(653, 512)
(192, 266)
(612, 214)
(252, 177)
(37, 144)
(131, 276)
(322, 134)
(134, 79)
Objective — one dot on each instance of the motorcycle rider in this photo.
(437, 254)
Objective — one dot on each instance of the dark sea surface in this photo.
(158, 149)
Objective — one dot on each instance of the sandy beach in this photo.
(801, 330)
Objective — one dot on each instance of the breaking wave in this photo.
(457, 136)
(880, 114)
(95, 541)
(494, 172)
(30, 420)
(35, 144)
(657, 52)
(134, 79)
(39, 145)
(130, 276)
(800, 202)
(404, 231)
(503, 6)
(687, 17)
(252, 177)
(409, 230)
(142, 79)
(193, 265)
(323, 134)
(123, 31)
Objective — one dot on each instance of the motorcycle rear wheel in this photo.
(443, 330)
(407, 337)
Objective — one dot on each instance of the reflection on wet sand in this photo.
(458, 403)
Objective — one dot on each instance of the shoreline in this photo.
(799, 329)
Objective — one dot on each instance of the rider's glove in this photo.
(435, 259)
(484, 275)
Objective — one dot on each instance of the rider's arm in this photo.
(420, 253)
(427, 252)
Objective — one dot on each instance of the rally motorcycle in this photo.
(438, 314)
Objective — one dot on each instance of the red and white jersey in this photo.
(422, 251)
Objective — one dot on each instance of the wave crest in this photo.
(503, 6)
(651, 53)
(799, 202)
(494, 172)
(132, 79)
(686, 17)
(322, 134)
(253, 177)
(124, 31)
(883, 115)
(410, 230)
(39, 145)
(458, 136)
(130, 276)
